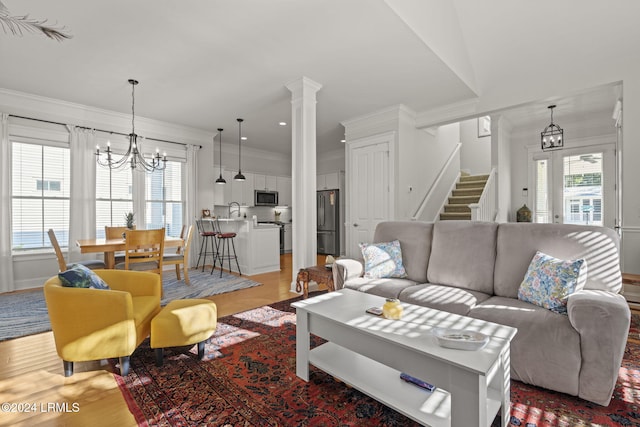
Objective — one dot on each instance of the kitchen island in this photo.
(257, 247)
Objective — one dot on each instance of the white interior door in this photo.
(369, 200)
(576, 186)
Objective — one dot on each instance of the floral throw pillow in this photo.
(79, 276)
(549, 281)
(382, 260)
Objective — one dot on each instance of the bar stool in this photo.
(222, 239)
(207, 237)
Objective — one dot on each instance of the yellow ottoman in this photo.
(183, 322)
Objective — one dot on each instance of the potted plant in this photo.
(130, 222)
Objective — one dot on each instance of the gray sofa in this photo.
(476, 268)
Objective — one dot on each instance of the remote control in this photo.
(417, 381)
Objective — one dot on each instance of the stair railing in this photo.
(447, 176)
(485, 209)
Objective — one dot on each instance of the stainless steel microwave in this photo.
(266, 198)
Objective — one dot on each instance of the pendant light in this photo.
(220, 179)
(239, 176)
(552, 137)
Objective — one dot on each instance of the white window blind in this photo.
(165, 198)
(114, 197)
(542, 194)
(40, 194)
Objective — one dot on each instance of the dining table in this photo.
(110, 246)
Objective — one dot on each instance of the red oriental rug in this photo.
(248, 379)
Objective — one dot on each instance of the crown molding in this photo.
(376, 122)
(303, 86)
(55, 110)
(231, 149)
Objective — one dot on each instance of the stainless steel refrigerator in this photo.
(328, 222)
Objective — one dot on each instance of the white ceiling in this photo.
(203, 63)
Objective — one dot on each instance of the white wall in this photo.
(475, 153)
(333, 161)
(433, 157)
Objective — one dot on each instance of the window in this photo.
(542, 194)
(40, 194)
(114, 197)
(164, 199)
(597, 210)
(582, 190)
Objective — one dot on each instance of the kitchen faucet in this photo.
(238, 209)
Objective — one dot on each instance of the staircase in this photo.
(468, 190)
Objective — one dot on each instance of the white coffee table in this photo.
(369, 352)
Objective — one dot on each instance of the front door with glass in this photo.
(575, 186)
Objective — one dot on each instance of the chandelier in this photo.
(134, 156)
(552, 137)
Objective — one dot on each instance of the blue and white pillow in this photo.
(382, 260)
(549, 281)
(79, 276)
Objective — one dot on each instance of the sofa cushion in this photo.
(545, 351)
(415, 240)
(382, 260)
(388, 288)
(518, 243)
(463, 255)
(549, 281)
(445, 298)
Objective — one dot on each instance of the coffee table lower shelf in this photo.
(384, 384)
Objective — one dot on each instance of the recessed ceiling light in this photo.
(343, 140)
(282, 123)
(244, 138)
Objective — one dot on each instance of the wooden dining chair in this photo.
(62, 264)
(143, 251)
(181, 257)
(183, 232)
(116, 233)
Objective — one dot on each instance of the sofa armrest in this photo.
(137, 283)
(346, 269)
(602, 319)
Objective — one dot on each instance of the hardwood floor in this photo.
(31, 372)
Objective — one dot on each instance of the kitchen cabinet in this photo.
(265, 182)
(258, 248)
(221, 192)
(288, 238)
(228, 187)
(242, 191)
(247, 190)
(283, 184)
(328, 181)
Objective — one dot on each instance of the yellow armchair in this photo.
(94, 324)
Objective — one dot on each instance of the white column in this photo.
(303, 171)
